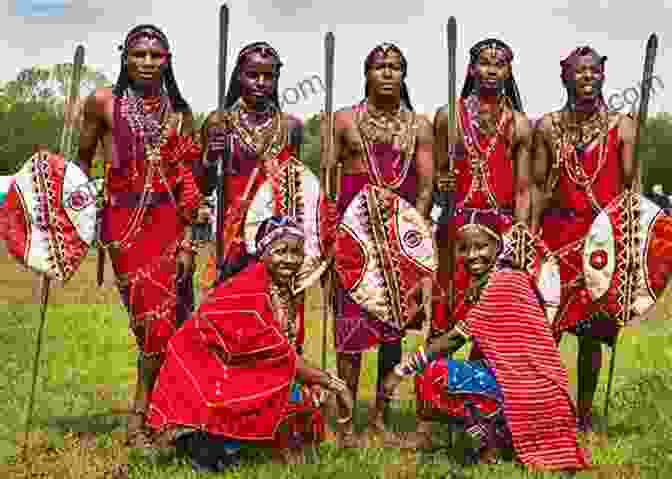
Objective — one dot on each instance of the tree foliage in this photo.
(656, 152)
(33, 107)
(311, 144)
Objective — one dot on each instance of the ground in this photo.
(87, 373)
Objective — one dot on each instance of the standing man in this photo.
(151, 198)
(380, 141)
(585, 160)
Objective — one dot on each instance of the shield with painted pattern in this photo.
(50, 216)
(384, 249)
(627, 256)
(290, 189)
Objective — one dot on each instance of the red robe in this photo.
(564, 231)
(229, 369)
(245, 179)
(143, 240)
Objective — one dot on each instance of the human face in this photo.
(284, 258)
(588, 77)
(479, 250)
(492, 68)
(385, 74)
(146, 56)
(258, 78)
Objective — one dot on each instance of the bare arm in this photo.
(93, 129)
(540, 169)
(424, 167)
(208, 172)
(627, 131)
(523, 169)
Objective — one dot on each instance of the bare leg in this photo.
(349, 366)
(588, 371)
(389, 356)
(148, 369)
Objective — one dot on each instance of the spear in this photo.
(449, 198)
(225, 156)
(64, 149)
(645, 92)
(330, 188)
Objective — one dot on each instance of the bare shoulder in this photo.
(523, 127)
(545, 124)
(292, 121)
(441, 115)
(99, 101)
(425, 127)
(344, 118)
(626, 125)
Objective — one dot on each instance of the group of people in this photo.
(232, 370)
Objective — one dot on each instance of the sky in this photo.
(43, 32)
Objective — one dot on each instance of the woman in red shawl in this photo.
(514, 375)
(232, 372)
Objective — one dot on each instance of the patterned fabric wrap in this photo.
(384, 248)
(149, 203)
(467, 390)
(49, 216)
(509, 327)
(231, 372)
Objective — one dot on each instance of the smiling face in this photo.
(492, 68)
(385, 73)
(588, 77)
(479, 250)
(258, 78)
(146, 56)
(284, 258)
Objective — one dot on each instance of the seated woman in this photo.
(513, 390)
(231, 372)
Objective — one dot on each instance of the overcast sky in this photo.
(540, 33)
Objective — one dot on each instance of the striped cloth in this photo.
(520, 349)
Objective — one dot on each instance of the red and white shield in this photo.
(384, 249)
(627, 256)
(50, 216)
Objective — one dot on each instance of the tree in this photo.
(33, 110)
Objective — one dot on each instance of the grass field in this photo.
(87, 374)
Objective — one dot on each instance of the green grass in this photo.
(87, 374)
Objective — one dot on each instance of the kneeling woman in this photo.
(513, 390)
(231, 372)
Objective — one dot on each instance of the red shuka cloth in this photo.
(243, 394)
(148, 261)
(510, 329)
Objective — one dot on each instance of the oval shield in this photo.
(51, 216)
(384, 248)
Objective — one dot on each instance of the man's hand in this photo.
(185, 264)
(447, 181)
(391, 383)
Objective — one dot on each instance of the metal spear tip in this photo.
(653, 41)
